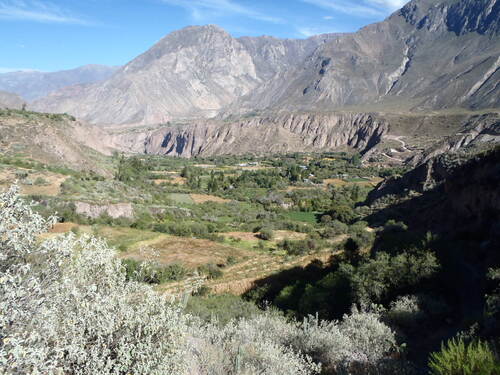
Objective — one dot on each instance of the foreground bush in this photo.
(65, 306)
(458, 358)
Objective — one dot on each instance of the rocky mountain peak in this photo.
(191, 37)
(457, 16)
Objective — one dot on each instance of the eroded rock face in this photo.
(93, 211)
(273, 133)
(477, 131)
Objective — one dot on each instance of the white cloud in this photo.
(360, 8)
(311, 31)
(328, 18)
(346, 6)
(389, 4)
(37, 11)
(202, 9)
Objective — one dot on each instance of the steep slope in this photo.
(10, 100)
(179, 77)
(53, 139)
(34, 84)
(429, 55)
(284, 133)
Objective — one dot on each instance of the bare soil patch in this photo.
(190, 252)
(62, 227)
(202, 198)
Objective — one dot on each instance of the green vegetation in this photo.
(293, 234)
(459, 358)
(152, 273)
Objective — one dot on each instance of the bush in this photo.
(266, 234)
(40, 181)
(151, 272)
(459, 358)
(221, 309)
(342, 213)
(211, 271)
(67, 308)
(405, 312)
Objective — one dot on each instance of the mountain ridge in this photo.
(414, 54)
(34, 84)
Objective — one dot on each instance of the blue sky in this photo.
(63, 34)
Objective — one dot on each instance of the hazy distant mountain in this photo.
(10, 100)
(432, 54)
(34, 84)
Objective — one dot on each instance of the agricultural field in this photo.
(232, 219)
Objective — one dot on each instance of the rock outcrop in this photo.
(263, 134)
(115, 211)
(477, 132)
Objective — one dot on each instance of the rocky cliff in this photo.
(263, 134)
(476, 132)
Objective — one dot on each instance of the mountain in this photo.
(10, 100)
(34, 84)
(428, 55)
(179, 77)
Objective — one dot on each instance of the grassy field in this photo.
(181, 198)
(306, 217)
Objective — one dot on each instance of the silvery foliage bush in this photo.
(405, 312)
(259, 345)
(359, 340)
(65, 307)
(255, 345)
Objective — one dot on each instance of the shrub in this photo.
(152, 272)
(266, 234)
(67, 308)
(221, 309)
(342, 213)
(405, 312)
(40, 181)
(211, 271)
(459, 358)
